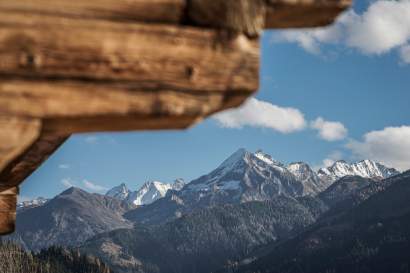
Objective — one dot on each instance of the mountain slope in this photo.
(69, 219)
(372, 237)
(344, 188)
(204, 240)
(14, 259)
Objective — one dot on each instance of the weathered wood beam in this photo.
(16, 136)
(20, 168)
(245, 16)
(67, 107)
(8, 200)
(148, 11)
(303, 13)
(145, 56)
(252, 16)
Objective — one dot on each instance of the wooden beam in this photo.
(76, 99)
(303, 13)
(245, 16)
(252, 16)
(8, 201)
(148, 11)
(16, 136)
(239, 16)
(146, 56)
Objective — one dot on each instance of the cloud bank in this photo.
(389, 146)
(256, 113)
(385, 26)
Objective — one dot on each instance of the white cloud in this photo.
(385, 26)
(329, 130)
(256, 113)
(389, 146)
(64, 166)
(93, 186)
(68, 182)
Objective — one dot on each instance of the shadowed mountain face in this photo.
(69, 219)
(345, 188)
(204, 240)
(373, 236)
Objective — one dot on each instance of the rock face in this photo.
(69, 219)
(312, 183)
(120, 192)
(365, 168)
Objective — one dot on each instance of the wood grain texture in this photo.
(252, 16)
(30, 159)
(8, 201)
(245, 16)
(303, 13)
(241, 16)
(148, 11)
(145, 56)
(16, 136)
(75, 99)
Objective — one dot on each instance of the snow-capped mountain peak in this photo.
(236, 157)
(365, 168)
(266, 158)
(120, 192)
(312, 184)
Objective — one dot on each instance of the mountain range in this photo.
(245, 177)
(229, 219)
(147, 194)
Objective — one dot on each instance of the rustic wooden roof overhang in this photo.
(69, 66)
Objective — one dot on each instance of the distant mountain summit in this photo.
(365, 168)
(70, 218)
(120, 192)
(147, 194)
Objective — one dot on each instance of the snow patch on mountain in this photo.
(120, 192)
(365, 168)
(32, 203)
(147, 193)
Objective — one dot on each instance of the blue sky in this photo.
(355, 76)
